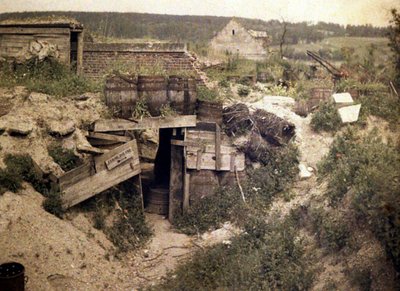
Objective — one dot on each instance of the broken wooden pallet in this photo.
(107, 170)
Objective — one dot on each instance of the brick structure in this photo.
(99, 59)
(236, 39)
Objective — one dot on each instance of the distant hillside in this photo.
(196, 28)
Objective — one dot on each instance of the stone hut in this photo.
(61, 38)
(236, 39)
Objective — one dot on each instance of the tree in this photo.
(394, 37)
(283, 36)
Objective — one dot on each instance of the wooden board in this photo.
(105, 125)
(101, 161)
(75, 175)
(97, 183)
(208, 161)
(109, 169)
(108, 137)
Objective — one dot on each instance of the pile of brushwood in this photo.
(238, 121)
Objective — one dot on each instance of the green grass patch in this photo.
(47, 76)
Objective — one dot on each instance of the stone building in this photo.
(236, 39)
(60, 38)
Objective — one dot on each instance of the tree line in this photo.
(199, 28)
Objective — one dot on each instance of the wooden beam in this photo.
(97, 183)
(105, 125)
(30, 30)
(208, 161)
(217, 147)
(75, 175)
(198, 162)
(186, 194)
(90, 150)
(109, 137)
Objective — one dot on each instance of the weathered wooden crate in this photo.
(102, 173)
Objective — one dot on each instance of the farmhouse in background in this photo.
(236, 39)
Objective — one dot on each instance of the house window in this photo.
(233, 32)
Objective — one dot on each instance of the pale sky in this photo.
(374, 12)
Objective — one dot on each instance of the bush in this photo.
(210, 212)
(370, 168)
(206, 94)
(326, 118)
(64, 157)
(23, 166)
(118, 213)
(53, 203)
(224, 83)
(332, 231)
(9, 181)
(243, 91)
(264, 257)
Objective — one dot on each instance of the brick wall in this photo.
(100, 59)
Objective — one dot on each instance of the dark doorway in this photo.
(74, 50)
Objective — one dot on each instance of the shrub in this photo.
(118, 213)
(9, 181)
(206, 94)
(53, 203)
(331, 230)
(244, 91)
(210, 212)
(224, 83)
(264, 257)
(370, 168)
(23, 166)
(64, 157)
(326, 118)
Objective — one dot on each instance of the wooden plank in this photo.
(198, 162)
(109, 137)
(175, 181)
(90, 150)
(101, 142)
(105, 125)
(218, 147)
(75, 175)
(208, 161)
(186, 193)
(233, 158)
(97, 183)
(100, 161)
(119, 158)
(32, 30)
(207, 137)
